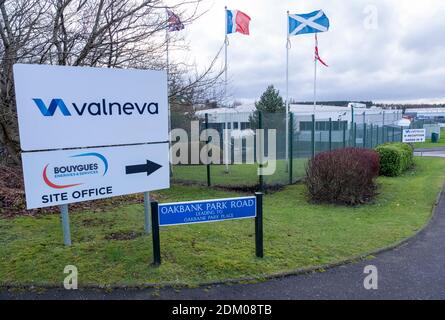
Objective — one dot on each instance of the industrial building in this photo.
(239, 118)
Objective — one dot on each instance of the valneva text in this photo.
(96, 108)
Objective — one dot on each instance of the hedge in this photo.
(395, 158)
(345, 176)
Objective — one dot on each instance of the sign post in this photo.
(155, 231)
(196, 212)
(59, 108)
(147, 209)
(66, 225)
(259, 246)
(414, 135)
(55, 178)
(83, 142)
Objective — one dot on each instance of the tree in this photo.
(271, 101)
(272, 106)
(96, 33)
(21, 40)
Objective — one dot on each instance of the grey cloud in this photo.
(401, 60)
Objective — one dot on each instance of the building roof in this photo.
(426, 110)
(322, 112)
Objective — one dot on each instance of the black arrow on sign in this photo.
(149, 168)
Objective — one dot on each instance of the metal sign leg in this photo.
(259, 238)
(155, 234)
(66, 225)
(147, 212)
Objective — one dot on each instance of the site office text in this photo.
(77, 195)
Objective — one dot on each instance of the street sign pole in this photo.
(66, 225)
(147, 209)
(259, 244)
(155, 232)
(164, 215)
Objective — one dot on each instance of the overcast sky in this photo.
(381, 50)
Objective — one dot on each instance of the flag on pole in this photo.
(317, 56)
(313, 22)
(174, 22)
(237, 21)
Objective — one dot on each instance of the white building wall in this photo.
(373, 115)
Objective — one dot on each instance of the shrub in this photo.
(345, 176)
(395, 158)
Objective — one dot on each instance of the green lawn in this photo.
(428, 144)
(297, 235)
(244, 175)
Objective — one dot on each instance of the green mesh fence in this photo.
(238, 164)
(225, 149)
(186, 131)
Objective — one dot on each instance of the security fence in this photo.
(232, 149)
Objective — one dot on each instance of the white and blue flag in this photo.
(313, 22)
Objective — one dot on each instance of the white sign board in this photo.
(414, 135)
(75, 107)
(69, 176)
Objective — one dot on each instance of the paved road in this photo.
(434, 152)
(414, 271)
(431, 149)
(440, 154)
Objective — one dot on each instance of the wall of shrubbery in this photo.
(348, 176)
(345, 176)
(395, 158)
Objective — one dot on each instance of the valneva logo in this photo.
(101, 108)
(76, 171)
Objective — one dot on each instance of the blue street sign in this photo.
(207, 211)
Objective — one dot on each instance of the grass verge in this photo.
(429, 145)
(243, 175)
(297, 235)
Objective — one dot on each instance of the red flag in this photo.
(174, 22)
(317, 56)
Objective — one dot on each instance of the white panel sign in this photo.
(70, 176)
(73, 107)
(414, 135)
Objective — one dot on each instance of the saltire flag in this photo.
(237, 21)
(174, 22)
(313, 22)
(317, 56)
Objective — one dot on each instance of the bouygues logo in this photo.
(99, 108)
(75, 171)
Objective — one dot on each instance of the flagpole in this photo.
(287, 94)
(315, 88)
(315, 76)
(167, 41)
(225, 54)
(226, 136)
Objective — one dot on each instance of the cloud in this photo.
(399, 60)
